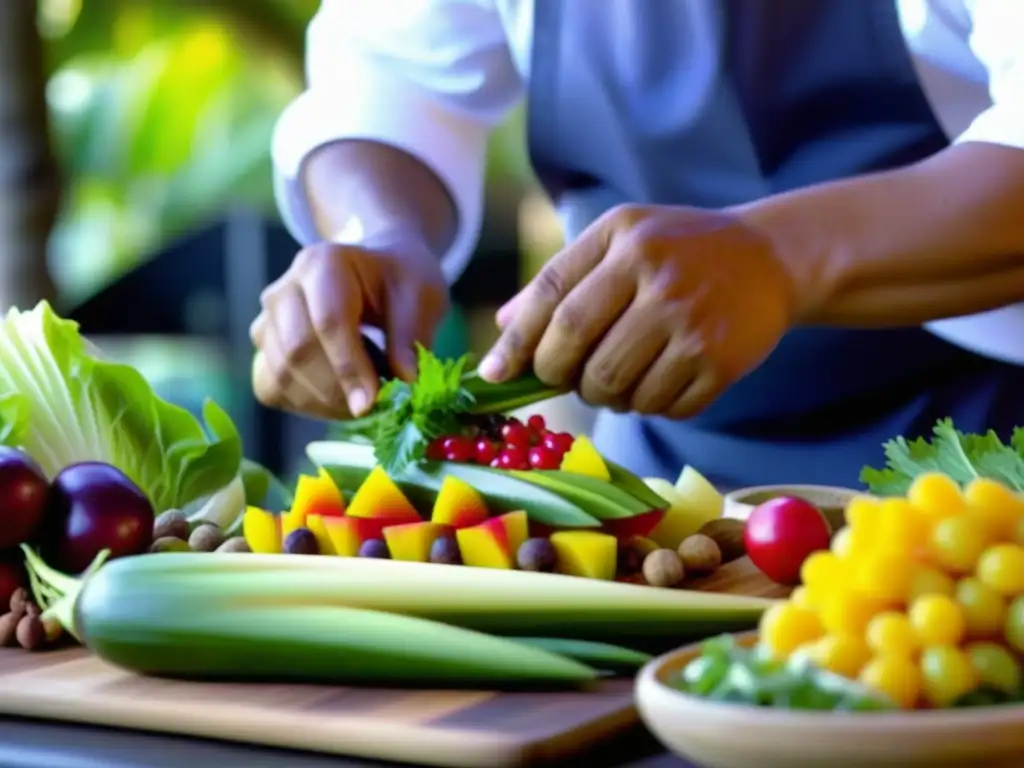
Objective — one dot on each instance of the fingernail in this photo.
(492, 368)
(358, 401)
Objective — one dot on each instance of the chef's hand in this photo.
(311, 359)
(653, 309)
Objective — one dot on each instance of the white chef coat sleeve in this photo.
(997, 40)
(431, 77)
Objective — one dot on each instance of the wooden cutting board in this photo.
(430, 727)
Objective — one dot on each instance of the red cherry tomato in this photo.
(544, 458)
(513, 457)
(459, 449)
(780, 534)
(515, 434)
(559, 442)
(536, 423)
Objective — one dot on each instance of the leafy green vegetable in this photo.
(961, 457)
(407, 416)
(727, 672)
(63, 404)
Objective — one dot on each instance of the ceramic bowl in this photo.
(719, 735)
(831, 500)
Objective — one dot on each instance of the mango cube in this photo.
(313, 496)
(589, 554)
(458, 504)
(583, 459)
(347, 534)
(412, 541)
(262, 531)
(378, 496)
(495, 542)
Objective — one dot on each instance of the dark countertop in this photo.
(37, 744)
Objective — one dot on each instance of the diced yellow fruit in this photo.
(458, 504)
(348, 534)
(262, 531)
(698, 493)
(582, 458)
(378, 496)
(412, 541)
(495, 542)
(681, 519)
(315, 524)
(314, 495)
(586, 553)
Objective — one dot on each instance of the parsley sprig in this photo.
(441, 401)
(960, 456)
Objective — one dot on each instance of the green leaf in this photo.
(63, 404)
(959, 456)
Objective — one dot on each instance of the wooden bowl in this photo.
(720, 735)
(831, 500)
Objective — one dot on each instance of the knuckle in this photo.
(549, 284)
(348, 374)
(511, 342)
(568, 319)
(606, 378)
(625, 215)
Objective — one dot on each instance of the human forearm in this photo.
(372, 190)
(942, 238)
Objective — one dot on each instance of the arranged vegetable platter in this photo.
(142, 533)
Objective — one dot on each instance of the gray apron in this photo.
(803, 91)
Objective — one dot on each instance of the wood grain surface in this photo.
(429, 727)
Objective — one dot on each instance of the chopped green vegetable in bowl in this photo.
(727, 672)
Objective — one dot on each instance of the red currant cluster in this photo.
(505, 444)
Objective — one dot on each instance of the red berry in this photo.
(514, 433)
(544, 458)
(486, 451)
(559, 442)
(495, 462)
(435, 450)
(513, 458)
(536, 423)
(459, 449)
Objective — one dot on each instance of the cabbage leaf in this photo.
(62, 403)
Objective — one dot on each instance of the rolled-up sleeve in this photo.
(430, 77)
(997, 40)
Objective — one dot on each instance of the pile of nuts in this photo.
(172, 532)
(701, 554)
(23, 624)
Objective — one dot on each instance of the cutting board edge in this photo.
(453, 747)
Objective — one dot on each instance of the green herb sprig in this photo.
(442, 400)
(961, 456)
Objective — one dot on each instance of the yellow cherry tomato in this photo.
(957, 543)
(997, 505)
(823, 572)
(785, 627)
(891, 634)
(895, 676)
(984, 609)
(938, 620)
(863, 513)
(946, 675)
(937, 495)
(803, 597)
(902, 527)
(848, 613)
(845, 655)
(884, 576)
(929, 581)
(1002, 568)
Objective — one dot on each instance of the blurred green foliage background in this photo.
(163, 112)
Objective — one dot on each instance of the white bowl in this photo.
(831, 500)
(720, 735)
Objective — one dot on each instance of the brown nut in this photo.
(234, 544)
(8, 629)
(663, 568)
(169, 544)
(728, 534)
(171, 523)
(700, 554)
(31, 609)
(31, 633)
(206, 538)
(19, 599)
